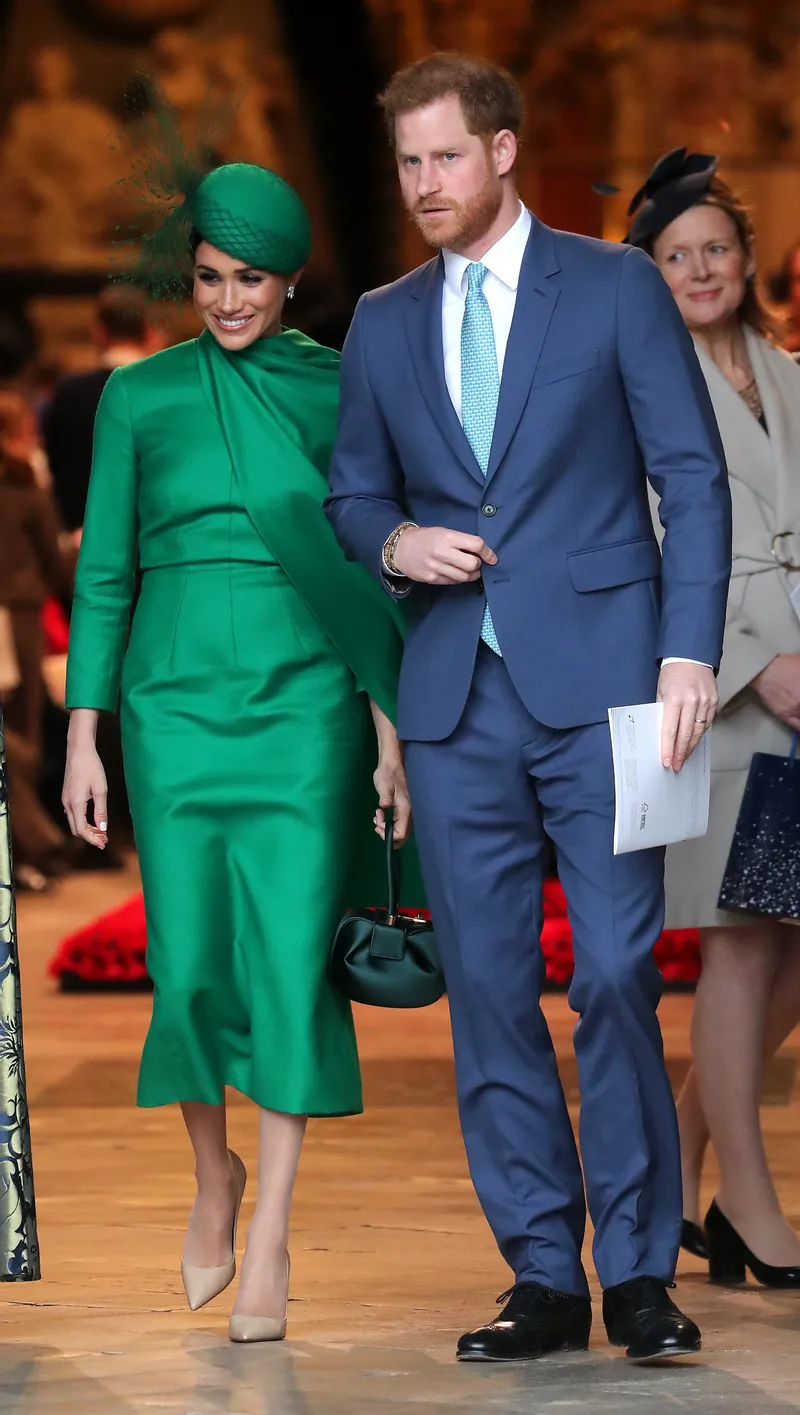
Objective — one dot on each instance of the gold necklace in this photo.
(751, 396)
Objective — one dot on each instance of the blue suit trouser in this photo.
(483, 800)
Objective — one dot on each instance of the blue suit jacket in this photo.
(601, 390)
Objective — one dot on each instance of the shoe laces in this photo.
(520, 1289)
(650, 1289)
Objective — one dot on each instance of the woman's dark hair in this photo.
(752, 310)
(13, 469)
(122, 314)
(15, 472)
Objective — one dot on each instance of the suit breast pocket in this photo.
(556, 370)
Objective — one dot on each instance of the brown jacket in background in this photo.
(32, 565)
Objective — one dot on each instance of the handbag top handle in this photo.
(393, 868)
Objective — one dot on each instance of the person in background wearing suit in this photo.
(502, 409)
(123, 334)
(748, 996)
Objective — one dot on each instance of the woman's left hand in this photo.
(392, 788)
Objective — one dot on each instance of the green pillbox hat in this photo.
(250, 213)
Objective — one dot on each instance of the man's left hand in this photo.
(689, 694)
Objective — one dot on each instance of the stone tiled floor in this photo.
(391, 1256)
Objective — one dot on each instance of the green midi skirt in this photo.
(243, 733)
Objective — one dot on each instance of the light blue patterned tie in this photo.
(480, 390)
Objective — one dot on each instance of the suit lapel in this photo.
(776, 376)
(424, 333)
(537, 296)
(748, 449)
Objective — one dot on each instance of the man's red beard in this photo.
(465, 222)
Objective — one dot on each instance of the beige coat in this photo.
(765, 488)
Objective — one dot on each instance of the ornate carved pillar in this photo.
(19, 1244)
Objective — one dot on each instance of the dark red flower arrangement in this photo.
(677, 952)
(56, 627)
(109, 953)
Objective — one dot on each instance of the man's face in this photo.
(450, 178)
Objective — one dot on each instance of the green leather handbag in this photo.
(384, 958)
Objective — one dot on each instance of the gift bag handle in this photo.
(393, 870)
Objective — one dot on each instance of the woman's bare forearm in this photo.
(388, 744)
(83, 725)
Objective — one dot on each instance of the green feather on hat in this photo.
(246, 211)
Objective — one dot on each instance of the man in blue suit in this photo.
(502, 410)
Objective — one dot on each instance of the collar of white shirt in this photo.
(503, 259)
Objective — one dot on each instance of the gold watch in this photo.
(391, 545)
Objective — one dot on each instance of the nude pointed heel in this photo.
(201, 1285)
(244, 1328)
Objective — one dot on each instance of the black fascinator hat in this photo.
(677, 182)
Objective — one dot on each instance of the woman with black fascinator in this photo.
(748, 998)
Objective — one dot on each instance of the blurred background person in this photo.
(21, 437)
(42, 381)
(123, 333)
(33, 567)
(748, 996)
(784, 288)
(18, 342)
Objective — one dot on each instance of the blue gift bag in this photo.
(762, 875)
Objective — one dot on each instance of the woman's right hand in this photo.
(778, 686)
(85, 780)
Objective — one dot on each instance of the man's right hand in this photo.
(778, 686)
(432, 555)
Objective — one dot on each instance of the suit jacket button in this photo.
(489, 510)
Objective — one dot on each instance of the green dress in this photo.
(247, 736)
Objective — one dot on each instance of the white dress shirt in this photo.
(503, 263)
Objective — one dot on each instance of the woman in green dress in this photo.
(258, 670)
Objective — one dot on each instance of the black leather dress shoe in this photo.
(641, 1316)
(535, 1322)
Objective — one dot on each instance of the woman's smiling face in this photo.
(238, 302)
(705, 265)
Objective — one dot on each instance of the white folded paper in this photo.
(654, 804)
